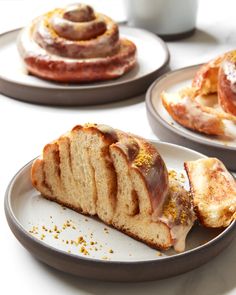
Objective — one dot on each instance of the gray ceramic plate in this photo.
(168, 130)
(16, 83)
(113, 256)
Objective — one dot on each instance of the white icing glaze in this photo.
(180, 217)
(159, 208)
(229, 69)
(193, 111)
(179, 234)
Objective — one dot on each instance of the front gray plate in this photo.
(84, 246)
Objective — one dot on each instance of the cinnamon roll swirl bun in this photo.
(75, 44)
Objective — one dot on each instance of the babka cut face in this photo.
(52, 171)
(83, 171)
(127, 198)
(133, 214)
(39, 179)
(52, 175)
(92, 143)
(72, 189)
(76, 171)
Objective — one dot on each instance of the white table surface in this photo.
(25, 128)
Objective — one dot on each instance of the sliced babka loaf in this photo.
(117, 176)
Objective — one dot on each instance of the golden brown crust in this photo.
(147, 179)
(149, 242)
(82, 71)
(39, 180)
(52, 57)
(144, 158)
(151, 167)
(108, 134)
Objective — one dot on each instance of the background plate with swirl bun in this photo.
(75, 56)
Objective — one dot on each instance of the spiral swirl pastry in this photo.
(75, 44)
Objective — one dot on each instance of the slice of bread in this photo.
(213, 190)
(119, 177)
(142, 180)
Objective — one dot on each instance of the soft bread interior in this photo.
(71, 187)
(93, 169)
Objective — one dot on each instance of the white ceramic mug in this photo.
(163, 17)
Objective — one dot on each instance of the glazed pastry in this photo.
(75, 44)
(227, 84)
(121, 178)
(205, 80)
(178, 212)
(213, 191)
(185, 109)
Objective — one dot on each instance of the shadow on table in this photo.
(117, 104)
(201, 36)
(215, 277)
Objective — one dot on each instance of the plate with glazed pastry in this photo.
(77, 56)
(196, 107)
(105, 204)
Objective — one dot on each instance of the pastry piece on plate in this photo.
(187, 111)
(75, 44)
(185, 108)
(119, 177)
(213, 190)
